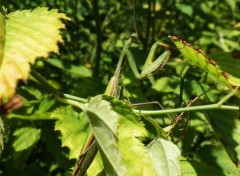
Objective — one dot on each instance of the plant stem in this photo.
(225, 98)
(63, 97)
(99, 37)
(188, 109)
(149, 19)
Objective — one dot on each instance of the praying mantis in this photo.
(114, 88)
(150, 67)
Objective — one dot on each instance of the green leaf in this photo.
(25, 138)
(104, 123)
(134, 153)
(35, 116)
(226, 126)
(79, 70)
(194, 168)
(2, 133)
(186, 9)
(39, 110)
(96, 167)
(217, 157)
(29, 34)
(165, 156)
(228, 64)
(198, 58)
(74, 129)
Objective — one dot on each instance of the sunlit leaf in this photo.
(25, 138)
(165, 156)
(74, 129)
(96, 167)
(134, 154)
(104, 123)
(198, 58)
(29, 34)
(230, 65)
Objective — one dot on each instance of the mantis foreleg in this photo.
(151, 66)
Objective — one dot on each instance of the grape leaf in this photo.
(29, 34)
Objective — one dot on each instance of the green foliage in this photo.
(68, 124)
(227, 131)
(47, 137)
(104, 125)
(25, 138)
(165, 156)
(191, 168)
(2, 133)
(217, 157)
(198, 58)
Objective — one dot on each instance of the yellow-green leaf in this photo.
(29, 34)
(198, 58)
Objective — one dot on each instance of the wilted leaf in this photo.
(198, 58)
(29, 34)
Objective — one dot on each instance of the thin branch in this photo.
(63, 97)
(99, 37)
(188, 109)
